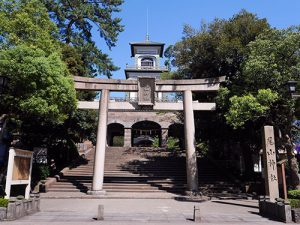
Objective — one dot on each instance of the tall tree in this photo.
(27, 22)
(76, 20)
(274, 60)
(30, 56)
(220, 48)
(258, 62)
(40, 86)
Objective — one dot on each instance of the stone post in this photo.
(270, 165)
(127, 137)
(164, 137)
(98, 175)
(189, 131)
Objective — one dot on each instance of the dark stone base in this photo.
(280, 211)
(192, 196)
(99, 192)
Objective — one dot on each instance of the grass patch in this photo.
(3, 202)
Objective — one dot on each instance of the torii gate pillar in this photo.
(189, 132)
(97, 185)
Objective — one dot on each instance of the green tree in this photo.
(220, 48)
(41, 93)
(273, 60)
(249, 107)
(40, 85)
(27, 22)
(76, 19)
(30, 56)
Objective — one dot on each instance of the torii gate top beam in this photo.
(195, 85)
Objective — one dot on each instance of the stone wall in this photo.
(127, 119)
(19, 208)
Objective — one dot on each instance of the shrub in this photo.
(295, 203)
(155, 143)
(294, 194)
(44, 171)
(3, 202)
(118, 141)
(202, 148)
(172, 143)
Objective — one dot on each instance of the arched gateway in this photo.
(144, 133)
(145, 114)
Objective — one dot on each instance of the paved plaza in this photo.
(144, 211)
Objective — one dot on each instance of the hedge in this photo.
(295, 203)
(294, 194)
(3, 202)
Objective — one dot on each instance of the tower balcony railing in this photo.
(135, 67)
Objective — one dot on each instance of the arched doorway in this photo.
(175, 131)
(115, 135)
(146, 134)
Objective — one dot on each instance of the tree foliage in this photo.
(27, 22)
(76, 20)
(273, 60)
(257, 61)
(40, 85)
(218, 48)
(249, 107)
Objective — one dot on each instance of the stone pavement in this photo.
(144, 211)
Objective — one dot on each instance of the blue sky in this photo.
(167, 17)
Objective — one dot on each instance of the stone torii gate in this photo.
(146, 87)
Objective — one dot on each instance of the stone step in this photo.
(140, 188)
(123, 177)
(133, 190)
(106, 187)
(145, 180)
(66, 184)
(142, 171)
(64, 189)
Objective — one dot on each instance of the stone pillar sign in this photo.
(270, 165)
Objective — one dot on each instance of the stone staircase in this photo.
(137, 170)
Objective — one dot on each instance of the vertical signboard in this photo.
(19, 170)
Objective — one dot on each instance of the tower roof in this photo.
(133, 46)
